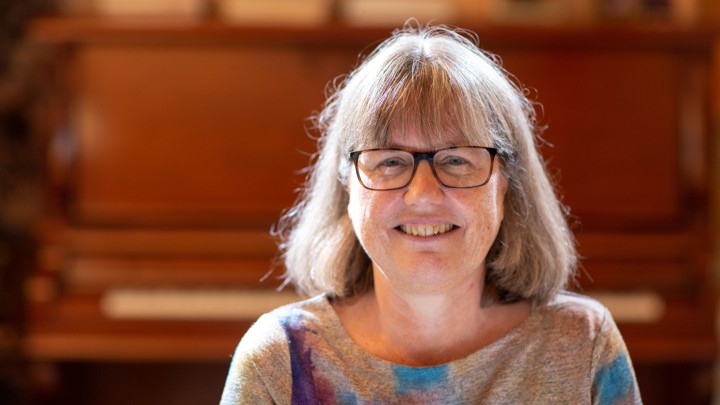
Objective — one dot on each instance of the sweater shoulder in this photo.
(569, 309)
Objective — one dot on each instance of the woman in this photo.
(436, 250)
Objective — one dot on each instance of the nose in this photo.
(424, 189)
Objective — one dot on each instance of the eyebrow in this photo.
(452, 139)
(408, 149)
(462, 141)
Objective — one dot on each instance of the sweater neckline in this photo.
(342, 338)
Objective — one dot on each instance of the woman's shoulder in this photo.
(576, 311)
(261, 366)
(271, 329)
(304, 313)
(576, 302)
(278, 324)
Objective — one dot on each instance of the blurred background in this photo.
(148, 146)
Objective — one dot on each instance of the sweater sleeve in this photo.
(613, 377)
(260, 369)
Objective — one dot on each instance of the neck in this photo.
(429, 328)
(425, 329)
(425, 311)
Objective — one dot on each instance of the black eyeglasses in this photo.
(393, 169)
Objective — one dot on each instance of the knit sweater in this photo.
(568, 351)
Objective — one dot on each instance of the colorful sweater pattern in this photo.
(568, 351)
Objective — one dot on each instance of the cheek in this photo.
(500, 206)
(370, 213)
(500, 196)
(360, 204)
(496, 198)
(490, 208)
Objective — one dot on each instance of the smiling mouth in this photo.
(426, 229)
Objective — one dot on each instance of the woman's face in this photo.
(450, 260)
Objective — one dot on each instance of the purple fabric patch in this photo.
(303, 382)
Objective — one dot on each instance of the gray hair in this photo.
(437, 80)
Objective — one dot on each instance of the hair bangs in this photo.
(421, 96)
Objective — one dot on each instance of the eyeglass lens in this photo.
(460, 167)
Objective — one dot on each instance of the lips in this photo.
(426, 230)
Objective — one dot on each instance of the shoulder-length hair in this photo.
(439, 81)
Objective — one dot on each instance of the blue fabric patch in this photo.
(409, 379)
(614, 381)
(346, 398)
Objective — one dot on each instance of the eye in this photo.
(453, 161)
(392, 166)
(392, 162)
(386, 161)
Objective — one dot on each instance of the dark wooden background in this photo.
(173, 148)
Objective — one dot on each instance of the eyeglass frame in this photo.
(419, 156)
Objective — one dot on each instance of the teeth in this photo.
(426, 229)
